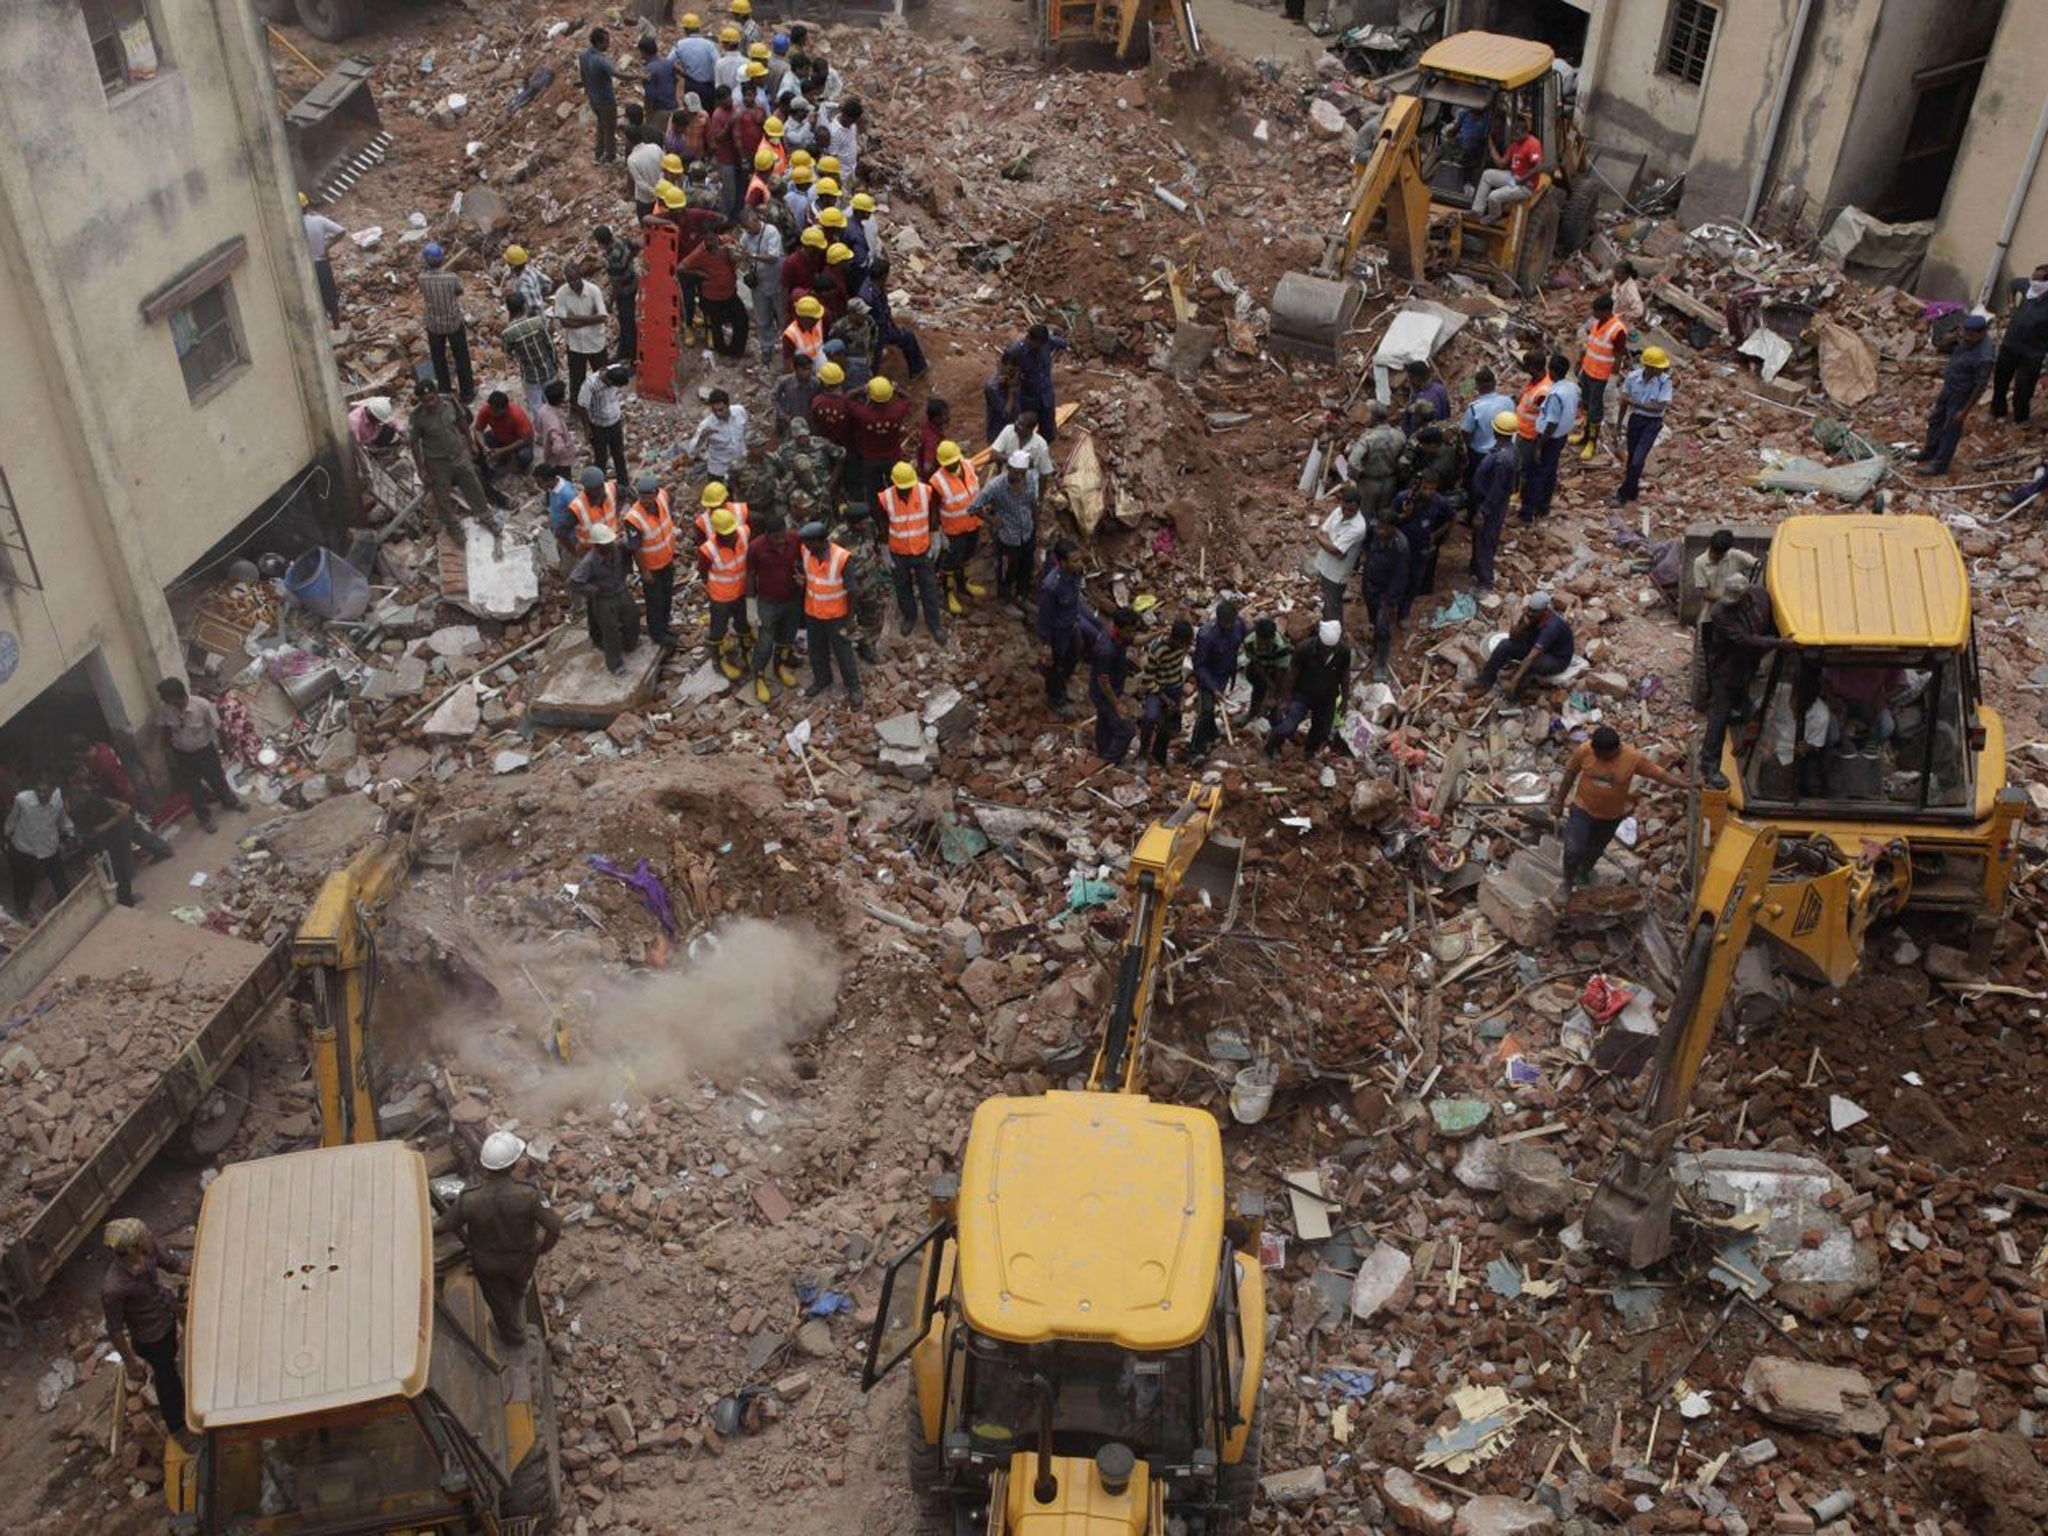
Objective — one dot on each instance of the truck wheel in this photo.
(332, 21)
(527, 1498)
(276, 10)
(1237, 1483)
(927, 1462)
(1575, 225)
(1539, 244)
(213, 1124)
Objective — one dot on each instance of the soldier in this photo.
(809, 465)
(759, 483)
(855, 532)
(507, 1225)
(851, 342)
(1375, 459)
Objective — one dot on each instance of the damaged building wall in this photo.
(1910, 41)
(168, 370)
(2003, 119)
(1758, 44)
(1631, 105)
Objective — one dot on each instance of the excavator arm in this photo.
(1391, 178)
(336, 946)
(1812, 903)
(1184, 847)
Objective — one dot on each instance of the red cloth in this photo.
(799, 272)
(772, 560)
(512, 425)
(720, 137)
(877, 429)
(710, 262)
(832, 419)
(103, 769)
(695, 225)
(929, 436)
(747, 133)
(1524, 156)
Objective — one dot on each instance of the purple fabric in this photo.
(653, 894)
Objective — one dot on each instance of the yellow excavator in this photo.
(1871, 782)
(343, 1372)
(1124, 26)
(1085, 1321)
(1414, 189)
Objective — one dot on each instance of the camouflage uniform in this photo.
(808, 464)
(1375, 460)
(855, 331)
(871, 597)
(760, 484)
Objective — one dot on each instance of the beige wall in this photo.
(1629, 106)
(2002, 123)
(124, 480)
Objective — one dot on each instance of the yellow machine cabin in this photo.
(1085, 1328)
(1868, 780)
(343, 1380)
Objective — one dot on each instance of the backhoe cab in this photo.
(1084, 1327)
(342, 1375)
(1868, 781)
(1412, 186)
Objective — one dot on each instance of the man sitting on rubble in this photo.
(1601, 771)
(1540, 645)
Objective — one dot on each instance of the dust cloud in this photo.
(730, 1007)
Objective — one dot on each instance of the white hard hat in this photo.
(1330, 631)
(1019, 460)
(602, 534)
(379, 407)
(501, 1150)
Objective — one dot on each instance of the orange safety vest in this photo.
(725, 577)
(825, 583)
(757, 191)
(955, 497)
(737, 508)
(910, 519)
(806, 341)
(781, 157)
(657, 528)
(587, 517)
(1530, 406)
(1602, 343)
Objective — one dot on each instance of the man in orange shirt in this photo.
(1603, 770)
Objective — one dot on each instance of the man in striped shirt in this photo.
(447, 327)
(1161, 687)
(532, 349)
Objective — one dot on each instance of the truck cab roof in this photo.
(1091, 1216)
(1869, 582)
(312, 1285)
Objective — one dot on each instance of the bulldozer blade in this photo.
(1215, 876)
(1630, 1217)
(1311, 314)
(334, 132)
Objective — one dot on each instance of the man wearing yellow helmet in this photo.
(697, 57)
(877, 438)
(742, 12)
(1646, 395)
(731, 60)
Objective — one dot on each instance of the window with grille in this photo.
(208, 341)
(17, 564)
(123, 42)
(1689, 39)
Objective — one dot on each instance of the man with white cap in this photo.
(1322, 671)
(600, 580)
(506, 1224)
(1539, 645)
(1006, 502)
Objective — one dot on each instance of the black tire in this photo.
(530, 1497)
(276, 10)
(1539, 244)
(1238, 1483)
(1576, 224)
(332, 21)
(927, 1465)
(213, 1124)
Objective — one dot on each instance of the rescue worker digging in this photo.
(722, 559)
(507, 1225)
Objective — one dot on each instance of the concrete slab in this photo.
(576, 690)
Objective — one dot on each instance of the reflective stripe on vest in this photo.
(806, 341)
(825, 583)
(910, 519)
(955, 497)
(737, 508)
(1601, 344)
(726, 577)
(586, 516)
(657, 533)
(1530, 406)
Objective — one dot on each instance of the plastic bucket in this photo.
(327, 586)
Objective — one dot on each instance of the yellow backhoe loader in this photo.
(1415, 189)
(1085, 1323)
(1124, 26)
(336, 947)
(1871, 781)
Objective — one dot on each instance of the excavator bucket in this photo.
(1630, 1216)
(335, 133)
(1214, 876)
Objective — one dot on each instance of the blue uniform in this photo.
(1647, 394)
(1969, 366)
(1493, 487)
(1108, 665)
(1554, 423)
(1034, 373)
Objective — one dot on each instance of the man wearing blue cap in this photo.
(1970, 362)
(447, 327)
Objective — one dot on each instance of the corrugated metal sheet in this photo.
(1510, 61)
(312, 1285)
(1859, 579)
